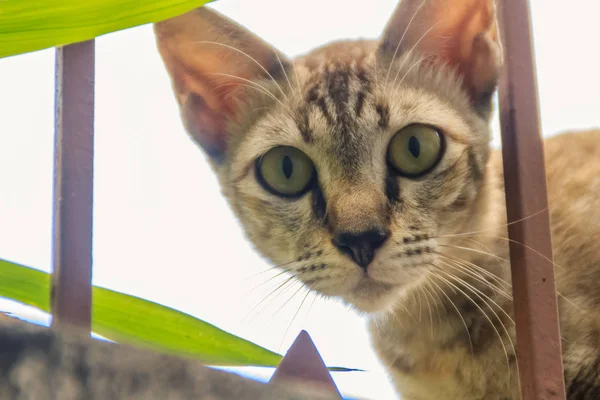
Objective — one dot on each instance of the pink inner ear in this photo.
(460, 33)
(206, 124)
(466, 37)
(207, 103)
(210, 59)
(476, 50)
(209, 87)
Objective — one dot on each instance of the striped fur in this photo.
(438, 304)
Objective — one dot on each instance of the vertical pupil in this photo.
(288, 167)
(414, 146)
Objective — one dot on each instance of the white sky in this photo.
(162, 229)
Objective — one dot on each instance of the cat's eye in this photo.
(415, 150)
(285, 171)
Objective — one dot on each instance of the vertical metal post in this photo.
(71, 295)
(536, 311)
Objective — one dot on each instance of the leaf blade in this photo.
(178, 332)
(30, 25)
(145, 323)
(129, 319)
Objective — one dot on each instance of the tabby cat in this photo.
(364, 169)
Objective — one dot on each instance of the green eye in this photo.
(415, 150)
(285, 171)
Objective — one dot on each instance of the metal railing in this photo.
(536, 312)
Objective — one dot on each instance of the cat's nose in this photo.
(361, 246)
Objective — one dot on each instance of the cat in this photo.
(364, 169)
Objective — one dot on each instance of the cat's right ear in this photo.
(210, 60)
(459, 33)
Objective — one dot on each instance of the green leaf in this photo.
(30, 25)
(129, 319)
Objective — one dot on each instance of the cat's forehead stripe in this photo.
(383, 111)
(339, 93)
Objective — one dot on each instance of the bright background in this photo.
(162, 231)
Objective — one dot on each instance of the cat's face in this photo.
(345, 165)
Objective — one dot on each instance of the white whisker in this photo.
(457, 312)
(254, 84)
(247, 55)
(411, 50)
(496, 227)
(294, 317)
(284, 72)
(485, 315)
(400, 41)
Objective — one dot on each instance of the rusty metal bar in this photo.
(536, 312)
(71, 295)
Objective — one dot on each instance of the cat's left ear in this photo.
(212, 61)
(461, 33)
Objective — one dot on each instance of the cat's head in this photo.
(344, 164)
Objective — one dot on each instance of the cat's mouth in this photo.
(375, 288)
(370, 295)
(381, 285)
(368, 285)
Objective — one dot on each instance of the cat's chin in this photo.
(371, 296)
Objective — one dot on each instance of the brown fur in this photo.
(437, 294)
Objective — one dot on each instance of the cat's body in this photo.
(443, 365)
(364, 170)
